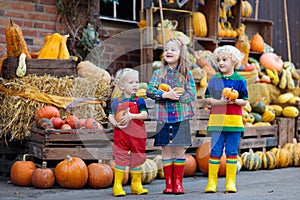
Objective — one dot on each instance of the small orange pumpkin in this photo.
(73, 121)
(100, 175)
(21, 172)
(91, 123)
(43, 177)
(257, 43)
(230, 93)
(119, 115)
(72, 172)
(190, 166)
(57, 122)
(164, 87)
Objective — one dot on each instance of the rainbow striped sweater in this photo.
(227, 117)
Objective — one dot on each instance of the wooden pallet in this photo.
(87, 144)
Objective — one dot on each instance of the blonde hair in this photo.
(123, 74)
(232, 52)
(184, 63)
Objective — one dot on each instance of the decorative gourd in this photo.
(45, 123)
(290, 111)
(270, 60)
(282, 157)
(190, 166)
(294, 150)
(51, 47)
(285, 97)
(160, 171)
(251, 161)
(277, 109)
(100, 175)
(257, 43)
(43, 177)
(202, 158)
(258, 107)
(72, 172)
(72, 120)
(164, 87)
(257, 117)
(112, 164)
(246, 9)
(199, 24)
(47, 112)
(247, 118)
(149, 171)
(268, 115)
(168, 34)
(268, 159)
(15, 42)
(21, 172)
(230, 93)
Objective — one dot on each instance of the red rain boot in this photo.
(168, 173)
(177, 181)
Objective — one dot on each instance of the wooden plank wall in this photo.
(274, 10)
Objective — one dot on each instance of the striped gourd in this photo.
(149, 171)
(160, 171)
(199, 24)
(282, 157)
(251, 161)
(268, 159)
(294, 150)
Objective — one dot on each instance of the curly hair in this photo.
(235, 54)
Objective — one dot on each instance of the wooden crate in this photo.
(286, 130)
(87, 144)
(40, 67)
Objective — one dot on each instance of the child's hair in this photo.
(123, 74)
(184, 63)
(232, 52)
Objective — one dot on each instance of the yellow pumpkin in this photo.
(230, 93)
(290, 111)
(282, 157)
(294, 150)
(268, 115)
(246, 9)
(199, 24)
(51, 47)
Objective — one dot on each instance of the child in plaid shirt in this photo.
(173, 110)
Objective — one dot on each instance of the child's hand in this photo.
(171, 95)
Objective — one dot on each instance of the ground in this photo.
(277, 184)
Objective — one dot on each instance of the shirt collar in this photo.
(123, 97)
(232, 77)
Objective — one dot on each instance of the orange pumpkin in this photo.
(230, 93)
(270, 60)
(190, 166)
(57, 122)
(72, 172)
(202, 157)
(43, 177)
(47, 112)
(119, 116)
(100, 175)
(164, 87)
(21, 172)
(91, 123)
(257, 43)
(73, 121)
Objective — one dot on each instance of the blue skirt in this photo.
(173, 134)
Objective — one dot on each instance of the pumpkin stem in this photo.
(44, 165)
(68, 158)
(100, 162)
(25, 156)
(11, 22)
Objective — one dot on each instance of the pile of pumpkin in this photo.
(96, 175)
(48, 118)
(257, 113)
